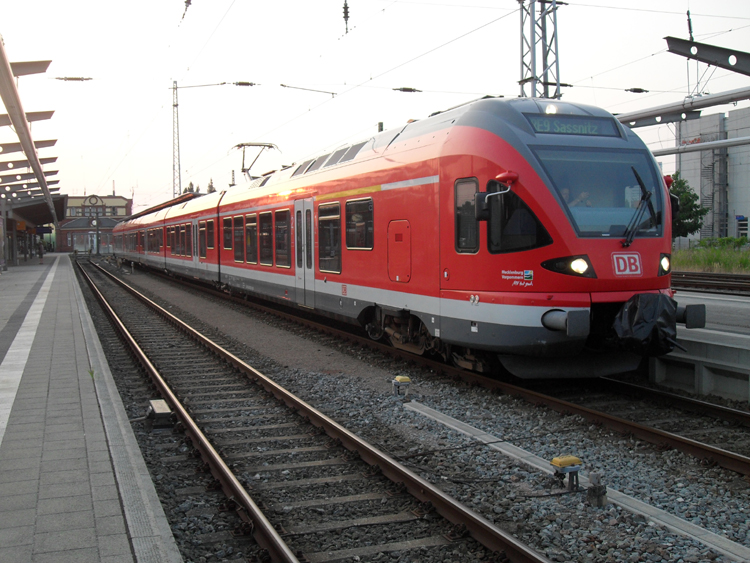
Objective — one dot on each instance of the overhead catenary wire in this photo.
(366, 84)
(372, 78)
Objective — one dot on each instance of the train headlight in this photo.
(571, 265)
(579, 266)
(665, 264)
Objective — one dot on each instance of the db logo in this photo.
(627, 264)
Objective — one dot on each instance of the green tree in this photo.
(690, 217)
(211, 188)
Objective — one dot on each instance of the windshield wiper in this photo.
(645, 202)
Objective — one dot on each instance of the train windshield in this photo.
(600, 190)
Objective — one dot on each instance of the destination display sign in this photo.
(573, 125)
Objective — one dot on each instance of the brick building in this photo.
(90, 219)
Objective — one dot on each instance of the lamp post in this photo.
(94, 201)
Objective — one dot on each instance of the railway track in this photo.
(730, 284)
(308, 489)
(708, 453)
(711, 432)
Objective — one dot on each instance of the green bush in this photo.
(725, 242)
(726, 255)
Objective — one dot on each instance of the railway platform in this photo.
(73, 484)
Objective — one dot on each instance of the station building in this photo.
(720, 177)
(89, 221)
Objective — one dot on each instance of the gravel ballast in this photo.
(353, 386)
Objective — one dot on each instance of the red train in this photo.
(535, 232)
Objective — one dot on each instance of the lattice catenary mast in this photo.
(176, 174)
(539, 37)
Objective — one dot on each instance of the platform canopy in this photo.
(19, 119)
(35, 210)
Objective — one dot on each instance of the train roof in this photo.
(504, 117)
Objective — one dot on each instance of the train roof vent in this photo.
(318, 163)
(335, 157)
(301, 168)
(353, 150)
(265, 180)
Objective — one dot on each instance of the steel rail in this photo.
(486, 533)
(263, 531)
(729, 284)
(726, 459)
(686, 403)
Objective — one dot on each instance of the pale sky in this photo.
(117, 127)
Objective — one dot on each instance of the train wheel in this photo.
(374, 331)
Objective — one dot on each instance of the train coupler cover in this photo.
(646, 324)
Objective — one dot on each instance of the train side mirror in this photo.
(499, 186)
(481, 207)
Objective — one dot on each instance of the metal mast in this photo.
(539, 37)
(176, 174)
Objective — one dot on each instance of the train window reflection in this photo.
(265, 239)
(188, 240)
(467, 227)
(360, 226)
(329, 235)
(598, 189)
(201, 239)
(298, 238)
(513, 226)
(227, 233)
(308, 240)
(283, 245)
(251, 238)
(210, 234)
(239, 239)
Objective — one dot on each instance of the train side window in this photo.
(512, 225)
(301, 168)
(283, 244)
(360, 226)
(298, 239)
(329, 238)
(201, 239)
(189, 240)
(227, 233)
(335, 157)
(239, 239)
(308, 239)
(183, 243)
(210, 234)
(318, 163)
(352, 152)
(251, 238)
(265, 238)
(467, 227)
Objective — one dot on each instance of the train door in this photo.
(195, 233)
(304, 233)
